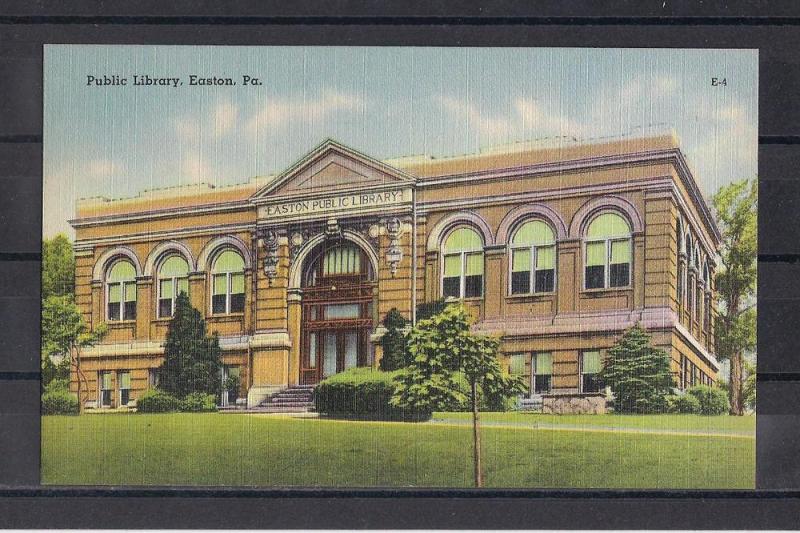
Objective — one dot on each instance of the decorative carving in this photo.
(269, 241)
(394, 254)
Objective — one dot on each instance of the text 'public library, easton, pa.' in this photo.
(556, 248)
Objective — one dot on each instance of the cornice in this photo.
(220, 207)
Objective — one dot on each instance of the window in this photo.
(104, 388)
(542, 364)
(229, 396)
(462, 272)
(124, 380)
(153, 377)
(589, 368)
(227, 283)
(172, 280)
(533, 259)
(341, 260)
(608, 252)
(121, 291)
(517, 364)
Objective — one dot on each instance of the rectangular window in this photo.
(595, 265)
(590, 367)
(340, 311)
(104, 386)
(219, 293)
(619, 269)
(517, 363)
(153, 378)
(473, 276)
(350, 349)
(451, 282)
(124, 380)
(237, 293)
(542, 372)
(165, 299)
(114, 301)
(520, 271)
(312, 350)
(130, 301)
(329, 354)
(545, 268)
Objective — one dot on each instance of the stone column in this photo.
(198, 291)
(98, 303)
(570, 275)
(295, 310)
(494, 281)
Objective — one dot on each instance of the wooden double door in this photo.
(335, 332)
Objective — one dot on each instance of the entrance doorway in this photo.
(337, 316)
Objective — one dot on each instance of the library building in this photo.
(556, 247)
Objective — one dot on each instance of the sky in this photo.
(115, 141)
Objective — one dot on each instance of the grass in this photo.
(257, 450)
(694, 423)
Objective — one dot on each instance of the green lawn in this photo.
(745, 425)
(257, 450)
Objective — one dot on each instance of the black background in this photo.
(772, 27)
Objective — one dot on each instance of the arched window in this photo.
(227, 281)
(121, 291)
(608, 252)
(462, 271)
(533, 258)
(338, 264)
(707, 298)
(173, 279)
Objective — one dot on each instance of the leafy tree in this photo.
(439, 348)
(58, 267)
(736, 206)
(428, 309)
(65, 334)
(393, 342)
(638, 374)
(191, 358)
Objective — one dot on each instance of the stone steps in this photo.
(293, 399)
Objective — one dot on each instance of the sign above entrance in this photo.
(345, 204)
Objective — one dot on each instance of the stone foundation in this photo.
(574, 404)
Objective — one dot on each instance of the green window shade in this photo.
(474, 265)
(521, 260)
(229, 261)
(166, 288)
(174, 267)
(183, 285)
(533, 232)
(452, 266)
(125, 380)
(122, 271)
(544, 363)
(342, 260)
(234, 371)
(517, 365)
(591, 362)
(105, 381)
(595, 254)
(545, 257)
(237, 283)
(130, 292)
(220, 284)
(620, 252)
(114, 293)
(463, 240)
(608, 225)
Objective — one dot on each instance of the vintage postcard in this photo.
(399, 267)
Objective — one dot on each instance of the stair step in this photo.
(288, 404)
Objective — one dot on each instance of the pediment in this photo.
(333, 167)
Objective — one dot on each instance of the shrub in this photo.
(157, 401)
(683, 404)
(362, 393)
(712, 400)
(394, 342)
(57, 385)
(198, 402)
(59, 402)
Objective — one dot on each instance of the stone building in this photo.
(555, 248)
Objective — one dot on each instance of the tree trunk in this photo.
(476, 437)
(736, 384)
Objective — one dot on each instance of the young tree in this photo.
(393, 342)
(637, 373)
(58, 267)
(439, 348)
(191, 358)
(65, 334)
(736, 207)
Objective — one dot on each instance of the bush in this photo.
(59, 402)
(361, 393)
(57, 385)
(157, 401)
(683, 404)
(712, 400)
(198, 402)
